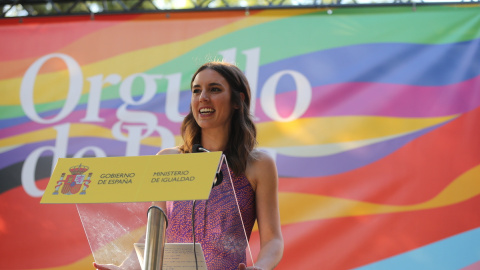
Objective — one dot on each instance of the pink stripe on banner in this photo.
(474, 266)
(377, 99)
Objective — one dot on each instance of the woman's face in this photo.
(211, 106)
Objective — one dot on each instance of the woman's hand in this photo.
(106, 266)
(242, 266)
(111, 267)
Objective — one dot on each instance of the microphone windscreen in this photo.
(196, 148)
(218, 179)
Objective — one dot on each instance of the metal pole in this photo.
(155, 239)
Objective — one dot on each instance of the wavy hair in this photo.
(243, 134)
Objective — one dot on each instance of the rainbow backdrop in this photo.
(379, 163)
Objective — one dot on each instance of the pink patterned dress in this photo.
(218, 226)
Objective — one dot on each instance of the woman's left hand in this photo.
(106, 267)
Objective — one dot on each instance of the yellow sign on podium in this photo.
(133, 179)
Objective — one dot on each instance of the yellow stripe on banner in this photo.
(85, 263)
(345, 132)
(327, 130)
(315, 207)
(140, 60)
(332, 148)
(76, 130)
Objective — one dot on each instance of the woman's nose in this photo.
(204, 96)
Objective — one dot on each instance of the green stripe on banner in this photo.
(298, 35)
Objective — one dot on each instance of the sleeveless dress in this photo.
(218, 225)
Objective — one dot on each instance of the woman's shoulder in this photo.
(170, 151)
(260, 167)
(258, 157)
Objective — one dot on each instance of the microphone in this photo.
(197, 148)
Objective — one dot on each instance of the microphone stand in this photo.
(155, 239)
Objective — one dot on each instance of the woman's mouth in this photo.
(206, 111)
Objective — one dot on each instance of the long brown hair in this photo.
(243, 134)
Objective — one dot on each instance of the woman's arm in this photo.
(263, 173)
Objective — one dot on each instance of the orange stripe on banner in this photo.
(85, 263)
(49, 33)
(346, 243)
(415, 173)
(148, 31)
(45, 236)
(316, 207)
(145, 31)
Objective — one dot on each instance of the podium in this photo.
(114, 196)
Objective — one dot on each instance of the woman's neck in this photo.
(214, 140)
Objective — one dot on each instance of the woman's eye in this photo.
(215, 89)
(195, 91)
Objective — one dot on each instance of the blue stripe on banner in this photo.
(455, 252)
(392, 63)
(112, 148)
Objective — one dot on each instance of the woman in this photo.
(220, 120)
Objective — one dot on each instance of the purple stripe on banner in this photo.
(108, 114)
(156, 105)
(378, 99)
(112, 148)
(345, 161)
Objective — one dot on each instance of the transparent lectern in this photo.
(114, 198)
